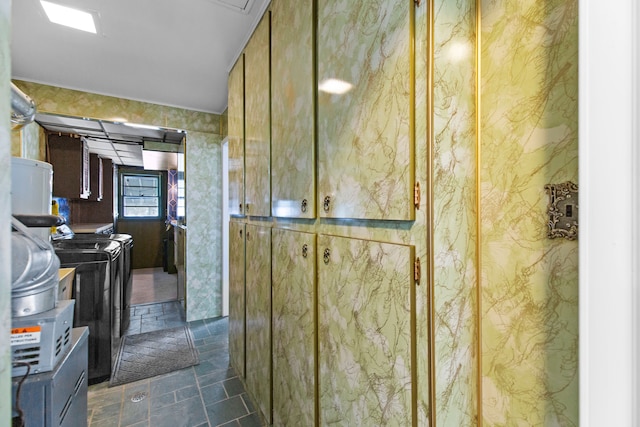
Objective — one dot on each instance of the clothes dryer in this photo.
(97, 273)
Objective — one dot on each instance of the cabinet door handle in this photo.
(240, 233)
(305, 250)
(303, 206)
(240, 205)
(327, 203)
(327, 256)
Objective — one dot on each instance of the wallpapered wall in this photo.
(203, 176)
(529, 136)
(527, 314)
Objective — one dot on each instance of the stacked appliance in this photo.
(47, 352)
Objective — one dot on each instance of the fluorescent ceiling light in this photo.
(69, 17)
(335, 86)
(139, 126)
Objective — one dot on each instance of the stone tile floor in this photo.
(209, 394)
(153, 317)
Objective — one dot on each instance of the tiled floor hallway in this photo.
(208, 394)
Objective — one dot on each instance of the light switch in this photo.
(562, 210)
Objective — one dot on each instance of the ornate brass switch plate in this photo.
(563, 210)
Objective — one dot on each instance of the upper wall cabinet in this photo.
(365, 114)
(96, 180)
(292, 109)
(69, 157)
(257, 122)
(236, 138)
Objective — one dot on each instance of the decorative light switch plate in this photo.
(563, 210)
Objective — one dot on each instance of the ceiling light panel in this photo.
(69, 16)
(99, 145)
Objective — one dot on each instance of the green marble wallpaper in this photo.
(51, 99)
(203, 190)
(29, 142)
(294, 332)
(5, 212)
(203, 178)
(529, 137)
(454, 212)
(16, 143)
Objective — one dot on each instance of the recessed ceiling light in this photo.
(69, 17)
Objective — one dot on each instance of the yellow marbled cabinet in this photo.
(365, 140)
(366, 333)
(292, 110)
(257, 127)
(294, 328)
(258, 316)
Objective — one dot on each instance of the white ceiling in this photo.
(169, 52)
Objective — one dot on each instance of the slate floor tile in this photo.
(206, 395)
(189, 412)
(226, 410)
(234, 386)
(213, 393)
(251, 420)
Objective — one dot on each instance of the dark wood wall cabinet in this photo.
(96, 177)
(69, 156)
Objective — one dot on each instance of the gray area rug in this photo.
(153, 353)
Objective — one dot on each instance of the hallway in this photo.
(209, 394)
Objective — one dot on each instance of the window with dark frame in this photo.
(141, 195)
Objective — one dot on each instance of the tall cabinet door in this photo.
(258, 302)
(258, 133)
(294, 329)
(365, 110)
(237, 297)
(366, 333)
(235, 113)
(292, 109)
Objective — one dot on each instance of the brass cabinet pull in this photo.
(248, 236)
(327, 256)
(327, 203)
(246, 207)
(305, 249)
(240, 233)
(240, 205)
(303, 206)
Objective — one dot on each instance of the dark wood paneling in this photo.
(148, 245)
